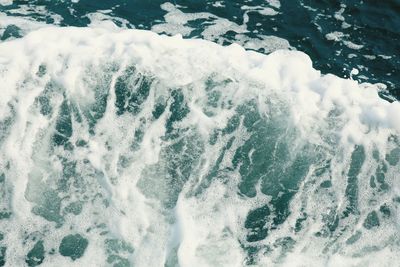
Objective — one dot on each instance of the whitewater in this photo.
(130, 148)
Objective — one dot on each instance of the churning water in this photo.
(123, 147)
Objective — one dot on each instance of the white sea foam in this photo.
(17, 18)
(6, 2)
(214, 29)
(126, 185)
(341, 37)
(102, 19)
(274, 3)
(176, 22)
(267, 11)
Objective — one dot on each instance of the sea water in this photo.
(193, 140)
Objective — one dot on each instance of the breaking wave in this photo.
(126, 148)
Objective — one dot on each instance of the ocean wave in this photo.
(124, 147)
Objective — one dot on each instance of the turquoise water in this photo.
(124, 148)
